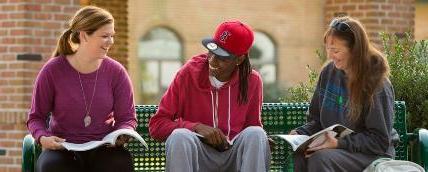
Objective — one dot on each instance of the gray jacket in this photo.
(373, 132)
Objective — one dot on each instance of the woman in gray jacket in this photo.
(353, 90)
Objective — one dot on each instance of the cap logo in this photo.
(212, 46)
(224, 36)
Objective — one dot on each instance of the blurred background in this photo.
(155, 37)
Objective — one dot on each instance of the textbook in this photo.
(302, 142)
(109, 139)
(220, 149)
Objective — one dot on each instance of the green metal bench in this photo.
(278, 118)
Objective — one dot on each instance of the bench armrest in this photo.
(28, 149)
(423, 142)
(419, 147)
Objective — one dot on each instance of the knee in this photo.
(47, 165)
(254, 132)
(122, 156)
(52, 161)
(322, 157)
(112, 159)
(180, 136)
(299, 162)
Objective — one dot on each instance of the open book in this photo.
(109, 139)
(222, 148)
(302, 142)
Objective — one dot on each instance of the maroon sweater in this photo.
(57, 91)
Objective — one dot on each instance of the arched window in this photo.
(263, 57)
(159, 54)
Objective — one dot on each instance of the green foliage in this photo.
(408, 60)
(304, 90)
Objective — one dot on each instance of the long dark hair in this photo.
(244, 73)
(367, 68)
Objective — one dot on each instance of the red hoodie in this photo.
(190, 99)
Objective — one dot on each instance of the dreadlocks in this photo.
(244, 73)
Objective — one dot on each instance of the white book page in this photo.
(111, 138)
(84, 146)
(342, 130)
(345, 132)
(294, 140)
(321, 139)
(108, 139)
(297, 141)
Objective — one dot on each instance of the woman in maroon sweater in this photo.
(88, 96)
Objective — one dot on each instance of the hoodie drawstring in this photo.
(213, 109)
(214, 105)
(228, 118)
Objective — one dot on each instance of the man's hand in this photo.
(51, 142)
(213, 136)
(121, 140)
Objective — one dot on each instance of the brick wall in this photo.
(391, 16)
(119, 10)
(26, 27)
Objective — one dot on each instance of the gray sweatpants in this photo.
(332, 160)
(186, 153)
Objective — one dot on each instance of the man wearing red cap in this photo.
(210, 114)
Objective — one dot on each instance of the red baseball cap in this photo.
(231, 38)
